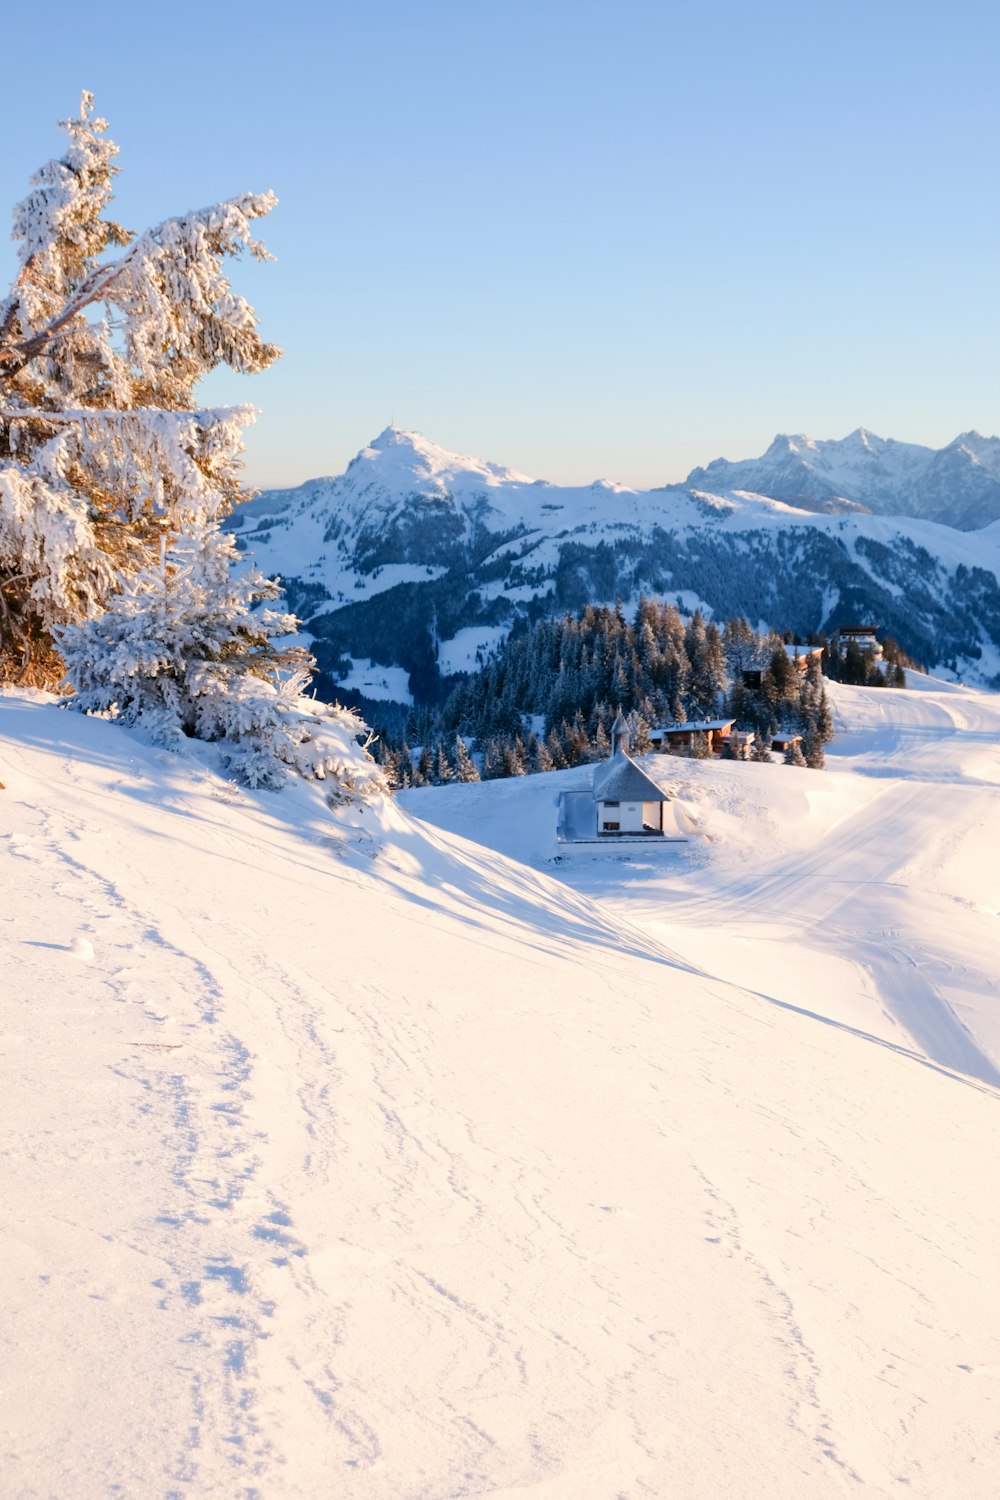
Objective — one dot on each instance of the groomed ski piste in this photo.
(383, 1155)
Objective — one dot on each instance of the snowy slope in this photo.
(343, 1156)
(868, 892)
(414, 555)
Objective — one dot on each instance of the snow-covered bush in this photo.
(188, 648)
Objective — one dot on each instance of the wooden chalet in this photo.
(781, 742)
(801, 656)
(677, 739)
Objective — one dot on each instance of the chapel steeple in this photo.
(621, 736)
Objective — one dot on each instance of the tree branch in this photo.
(15, 356)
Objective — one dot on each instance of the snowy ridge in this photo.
(345, 1155)
(465, 549)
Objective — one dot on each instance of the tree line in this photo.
(546, 700)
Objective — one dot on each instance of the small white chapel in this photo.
(622, 804)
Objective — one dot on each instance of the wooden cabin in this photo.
(676, 739)
(801, 656)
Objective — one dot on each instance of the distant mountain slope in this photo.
(417, 558)
(958, 485)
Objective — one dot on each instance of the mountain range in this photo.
(416, 562)
(958, 485)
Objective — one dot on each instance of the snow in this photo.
(469, 647)
(881, 474)
(895, 840)
(364, 1159)
(376, 681)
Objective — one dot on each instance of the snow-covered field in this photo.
(345, 1156)
(869, 892)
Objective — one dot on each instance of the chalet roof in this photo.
(621, 780)
(698, 726)
(795, 651)
(857, 629)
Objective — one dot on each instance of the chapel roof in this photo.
(621, 780)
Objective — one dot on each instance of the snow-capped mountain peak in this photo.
(401, 457)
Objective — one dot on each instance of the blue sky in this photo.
(580, 239)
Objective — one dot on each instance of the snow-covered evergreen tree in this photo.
(493, 761)
(103, 449)
(600, 744)
(423, 771)
(514, 758)
(639, 728)
(557, 753)
(114, 483)
(465, 766)
(793, 755)
(541, 756)
(812, 751)
(708, 677)
(443, 771)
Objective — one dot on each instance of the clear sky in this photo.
(582, 239)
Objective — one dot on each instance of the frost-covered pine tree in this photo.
(541, 757)
(493, 760)
(443, 769)
(793, 754)
(465, 766)
(103, 448)
(114, 482)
